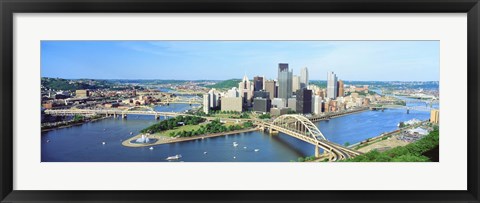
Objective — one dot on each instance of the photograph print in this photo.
(240, 101)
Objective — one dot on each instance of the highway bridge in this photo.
(113, 112)
(136, 110)
(408, 108)
(302, 128)
(180, 100)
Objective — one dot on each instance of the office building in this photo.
(284, 81)
(304, 78)
(214, 98)
(304, 101)
(278, 111)
(279, 103)
(246, 91)
(292, 103)
(317, 104)
(262, 104)
(270, 87)
(341, 88)
(257, 83)
(232, 92)
(206, 103)
(261, 94)
(232, 104)
(295, 83)
(332, 85)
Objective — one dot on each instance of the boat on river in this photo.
(176, 157)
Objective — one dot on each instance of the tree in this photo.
(265, 116)
(78, 118)
(248, 124)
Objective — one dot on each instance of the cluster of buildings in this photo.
(288, 93)
(101, 98)
(189, 86)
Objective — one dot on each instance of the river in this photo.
(83, 143)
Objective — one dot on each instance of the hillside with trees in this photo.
(226, 84)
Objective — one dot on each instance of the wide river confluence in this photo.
(83, 143)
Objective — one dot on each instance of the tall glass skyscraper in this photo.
(304, 78)
(332, 85)
(284, 81)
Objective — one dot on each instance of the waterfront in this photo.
(84, 143)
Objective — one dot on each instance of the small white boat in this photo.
(256, 150)
(103, 143)
(48, 140)
(244, 147)
(176, 157)
(234, 157)
(235, 144)
(131, 133)
(204, 152)
(151, 148)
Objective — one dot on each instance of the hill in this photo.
(226, 84)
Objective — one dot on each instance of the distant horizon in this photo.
(237, 79)
(210, 60)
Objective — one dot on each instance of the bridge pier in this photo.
(317, 154)
(408, 111)
(272, 131)
(124, 116)
(157, 117)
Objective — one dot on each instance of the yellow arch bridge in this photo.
(302, 128)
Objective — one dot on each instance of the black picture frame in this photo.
(10, 7)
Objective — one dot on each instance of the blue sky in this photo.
(220, 60)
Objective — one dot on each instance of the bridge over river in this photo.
(407, 108)
(302, 128)
(297, 126)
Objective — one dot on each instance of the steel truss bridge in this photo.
(115, 112)
(302, 128)
(148, 111)
(178, 100)
(408, 108)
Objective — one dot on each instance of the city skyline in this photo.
(202, 60)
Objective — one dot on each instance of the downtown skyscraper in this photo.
(284, 81)
(258, 83)
(304, 78)
(332, 85)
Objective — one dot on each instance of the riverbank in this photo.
(163, 139)
(351, 112)
(384, 141)
(74, 124)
